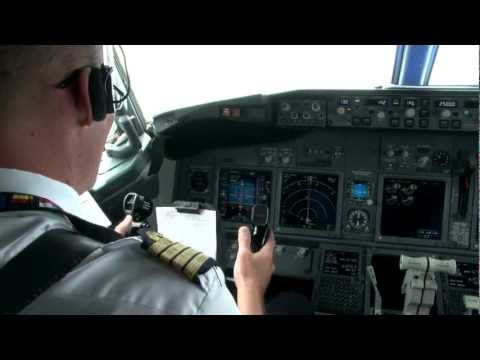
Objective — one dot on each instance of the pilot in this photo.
(50, 150)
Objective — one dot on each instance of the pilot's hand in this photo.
(125, 226)
(252, 272)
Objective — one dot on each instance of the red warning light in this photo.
(226, 112)
(231, 112)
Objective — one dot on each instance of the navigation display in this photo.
(309, 201)
(341, 263)
(239, 190)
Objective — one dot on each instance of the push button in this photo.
(444, 124)
(366, 121)
(409, 123)
(396, 102)
(423, 123)
(456, 124)
(425, 102)
(395, 122)
(424, 113)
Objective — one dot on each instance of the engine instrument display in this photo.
(309, 201)
(239, 190)
(413, 208)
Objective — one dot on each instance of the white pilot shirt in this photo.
(118, 278)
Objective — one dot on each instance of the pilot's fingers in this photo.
(125, 226)
(244, 239)
(269, 245)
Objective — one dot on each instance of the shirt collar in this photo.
(19, 181)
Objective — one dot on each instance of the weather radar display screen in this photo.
(239, 190)
(309, 201)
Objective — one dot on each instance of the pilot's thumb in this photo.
(125, 226)
(244, 239)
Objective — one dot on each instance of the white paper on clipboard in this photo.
(199, 231)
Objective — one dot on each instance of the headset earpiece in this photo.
(100, 92)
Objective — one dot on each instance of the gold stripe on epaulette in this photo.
(159, 246)
(155, 236)
(193, 266)
(181, 260)
(172, 251)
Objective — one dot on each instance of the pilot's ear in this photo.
(82, 98)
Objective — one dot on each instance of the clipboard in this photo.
(178, 222)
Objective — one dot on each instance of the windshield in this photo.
(456, 65)
(167, 77)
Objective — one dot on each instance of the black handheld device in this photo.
(138, 206)
(260, 230)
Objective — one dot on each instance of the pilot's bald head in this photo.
(27, 72)
(44, 128)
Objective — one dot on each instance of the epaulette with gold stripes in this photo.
(190, 262)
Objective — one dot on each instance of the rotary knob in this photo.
(285, 106)
(306, 115)
(405, 154)
(268, 158)
(390, 153)
(302, 252)
(446, 113)
(410, 113)
(315, 106)
(423, 161)
(286, 159)
(381, 115)
(340, 110)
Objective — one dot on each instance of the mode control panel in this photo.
(407, 112)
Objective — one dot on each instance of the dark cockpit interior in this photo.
(353, 179)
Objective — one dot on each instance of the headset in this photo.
(100, 87)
